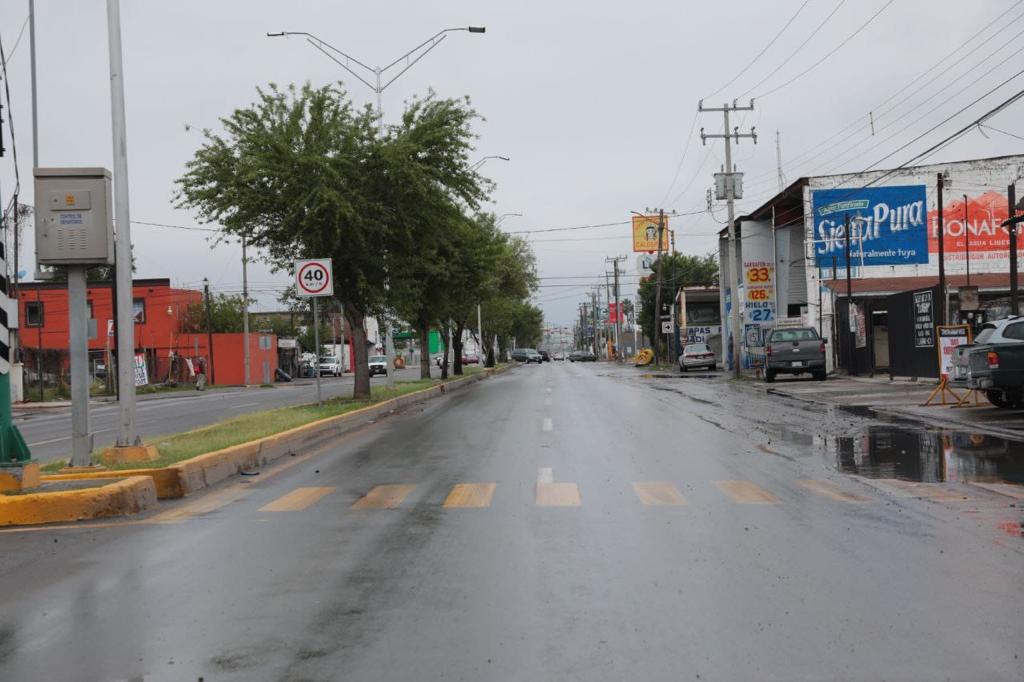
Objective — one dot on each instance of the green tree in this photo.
(677, 271)
(298, 173)
(226, 315)
(428, 181)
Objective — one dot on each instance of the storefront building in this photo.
(793, 265)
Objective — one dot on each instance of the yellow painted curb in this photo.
(188, 476)
(166, 480)
(130, 496)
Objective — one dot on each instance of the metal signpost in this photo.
(314, 277)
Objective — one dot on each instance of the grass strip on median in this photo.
(255, 425)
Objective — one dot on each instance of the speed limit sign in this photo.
(313, 277)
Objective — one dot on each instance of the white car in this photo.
(697, 356)
(378, 365)
(331, 365)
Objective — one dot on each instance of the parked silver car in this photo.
(696, 356)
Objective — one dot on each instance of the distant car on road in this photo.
(545, 356)
(696, 356)
(526, 355)
(470, 359)
(558, 357)
(794, 350)
(329, 364)
(378, 365)
(582, 356)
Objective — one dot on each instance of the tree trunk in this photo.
(502, 347)
(424, 329)
(488, 341)
(446, 338)
(361, 386)
(457, 346)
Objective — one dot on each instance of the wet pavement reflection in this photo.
(914, 454)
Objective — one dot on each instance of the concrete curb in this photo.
(120, 498)
(202, 471)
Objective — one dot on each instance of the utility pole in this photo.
(849, 301)
(618, 306)
(209, 330)
(675, 294)
(125, 320)
(732, 273)
(778, 162)
(245, 313)
(657, 286)
(1011, 195)
(941, 182)
(593, 310)
(967, 242)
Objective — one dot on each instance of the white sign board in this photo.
(645, 264)
(666, 327)
(141, 376)
(314, 277)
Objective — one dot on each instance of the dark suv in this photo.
(794, 350)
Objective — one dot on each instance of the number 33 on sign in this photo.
(760, 274)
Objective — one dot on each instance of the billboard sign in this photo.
(645, 234)
(978, 229)
(889, 225)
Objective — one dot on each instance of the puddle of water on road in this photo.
(889, 451)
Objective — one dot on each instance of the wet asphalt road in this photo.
(703, 534)
(48, 431)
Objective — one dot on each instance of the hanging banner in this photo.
(888, 225)
(950, 337)
(924, 321)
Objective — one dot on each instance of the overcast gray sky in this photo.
(593, 101)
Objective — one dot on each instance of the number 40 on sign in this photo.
(314, 277)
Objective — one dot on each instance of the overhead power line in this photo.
(830, 52)
(794, 53)
(761, 53)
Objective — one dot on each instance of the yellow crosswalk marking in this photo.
(930, 491)
(465, 495)
(745, 492)
(659, 494)
(557, 495)
(298, 499)
(204, 505)
(384, 497)
(831, 491)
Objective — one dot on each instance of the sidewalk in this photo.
(899, 398)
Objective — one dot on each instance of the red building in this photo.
(160, 313)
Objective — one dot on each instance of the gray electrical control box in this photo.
(74, 225)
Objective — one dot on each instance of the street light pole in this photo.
(410, 58)
(849, 300)
(127, 436)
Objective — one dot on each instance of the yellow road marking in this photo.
(298, 499)
(470, 495)
(746, 492)
(384, 497)
(930, 491)
(1010, 489)
(204, 505)
(659, 494)
(557, 495)
(831, 491)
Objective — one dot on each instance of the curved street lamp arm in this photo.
(436, 42)
(324, 43)
(435, 39)
(342, 64)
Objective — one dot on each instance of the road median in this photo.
(189, 474)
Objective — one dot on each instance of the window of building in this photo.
(33, 313)
(264, 342)
(139, 310)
